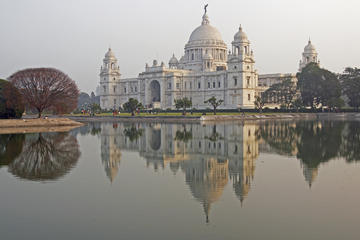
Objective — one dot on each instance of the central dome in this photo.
(205, 32)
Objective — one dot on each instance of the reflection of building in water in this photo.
(242, 171)
(207, 154)
(207, 179)
(285, 138)
(110, 150)
(310, 173)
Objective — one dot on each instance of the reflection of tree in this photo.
(10, 147)
(215, 136)
(183, 136)
(313, 142)
(281, 137)
(133, 133)
(319, 141)
(94, 128)
(46, 157)
(350, 147)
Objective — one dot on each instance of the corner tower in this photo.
(242, 76)
(109, 81)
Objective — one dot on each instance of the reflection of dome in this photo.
(205, 32)
(240, 36)
(207, 180)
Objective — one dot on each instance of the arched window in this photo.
(192, 56)
(104, 88)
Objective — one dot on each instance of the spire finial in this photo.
(309, 40)
(240, 28)
(205, 8)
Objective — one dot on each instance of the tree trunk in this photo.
(184, 112)
(132, 113)
(214, 110)
(39, 114)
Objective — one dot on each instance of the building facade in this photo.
(207, 69)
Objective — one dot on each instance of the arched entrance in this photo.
(155, 91)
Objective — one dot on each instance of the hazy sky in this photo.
(74, 35)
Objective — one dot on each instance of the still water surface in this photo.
(269, 180)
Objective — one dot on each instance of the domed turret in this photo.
(309, 56)
(240, 36)
(109, 54)
(310, 48)
(173, 63)
(241, 44)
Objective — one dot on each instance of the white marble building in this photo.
(206, 69)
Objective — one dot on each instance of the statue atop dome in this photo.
(205, 8)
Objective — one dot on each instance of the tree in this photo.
(183, 103)
(131, 106)
(259, 103)
(284, 92)
(318, 86)
(11, 102)
(297, 104)
(46, 89)
(214, 103)
(350, 82)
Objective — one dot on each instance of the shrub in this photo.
(11, 103)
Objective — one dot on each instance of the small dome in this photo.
(109, 54)
(205, 32)
(310, 47)
(173, 60)
(240, 36)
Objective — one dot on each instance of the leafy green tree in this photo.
(284, 92)
(11, 102)
(131, 106)
(350, 81)
(318, 86)
(183, 103)
(259, 103)
(214, 103)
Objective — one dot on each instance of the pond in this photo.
(252, 180)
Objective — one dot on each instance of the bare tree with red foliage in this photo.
(46, 89)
